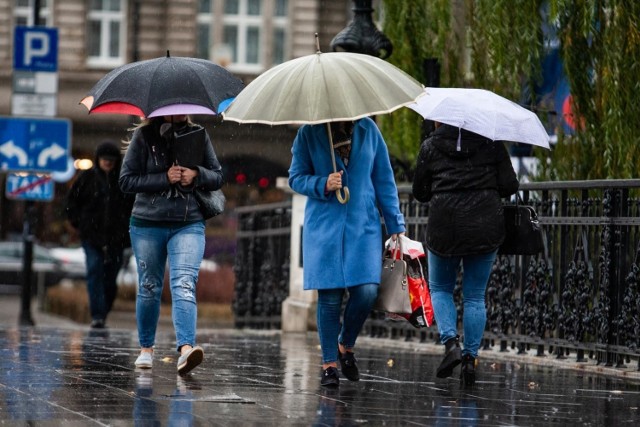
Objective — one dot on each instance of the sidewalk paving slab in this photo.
(62, 373)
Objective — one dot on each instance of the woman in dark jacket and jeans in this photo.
(463, 176)
(166, 223)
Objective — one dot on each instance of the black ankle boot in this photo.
(452, 358)
(349, 366)
(468, 370)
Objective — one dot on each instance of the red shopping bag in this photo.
(422, 309)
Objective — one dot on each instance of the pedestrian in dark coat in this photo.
(463, 176)
(100, 212)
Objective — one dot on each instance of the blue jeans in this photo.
(184, 247)
(330, 330)
(442, 280)
(103, 266)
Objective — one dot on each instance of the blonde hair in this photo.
(145, 121)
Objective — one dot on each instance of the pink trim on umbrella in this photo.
(118, 108)
(180, 109)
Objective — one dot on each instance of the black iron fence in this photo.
(580, 297)
(262, 264)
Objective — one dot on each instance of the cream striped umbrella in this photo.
(324, 88)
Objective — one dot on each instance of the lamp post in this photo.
(361, 35)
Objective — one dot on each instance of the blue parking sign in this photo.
(35, 49)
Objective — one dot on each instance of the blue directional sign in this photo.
(37, 145)
(35, 49)
(29, 187)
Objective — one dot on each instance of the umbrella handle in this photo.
(339, 196)
(346, 197)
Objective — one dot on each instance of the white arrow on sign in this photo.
(9, 149)
(54, 152)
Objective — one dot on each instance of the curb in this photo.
(530, 358)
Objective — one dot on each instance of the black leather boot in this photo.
(468, 370)
(452, 358)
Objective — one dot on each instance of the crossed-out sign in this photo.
(38, 145)
(24, 186)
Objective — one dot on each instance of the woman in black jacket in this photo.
(463, 176)
(166, 223)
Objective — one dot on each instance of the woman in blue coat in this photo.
(341, 243)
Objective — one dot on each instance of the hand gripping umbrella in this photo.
(324, 88)
(482, 112)
(163, 86)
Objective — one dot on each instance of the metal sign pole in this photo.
(27, 266)
(27, 236)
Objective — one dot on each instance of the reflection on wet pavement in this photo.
(57, 376)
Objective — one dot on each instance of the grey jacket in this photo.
(144, 172)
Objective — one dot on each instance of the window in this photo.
(280, 23)
(106, 33)
(242, 35)
(23, 13)
(203, 35)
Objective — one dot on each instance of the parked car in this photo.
(47, 270)
(72, 261)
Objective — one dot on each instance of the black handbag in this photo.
(211, 203)
(523, 232)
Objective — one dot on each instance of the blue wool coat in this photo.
(342, 243)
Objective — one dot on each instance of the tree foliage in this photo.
(417, 29)
(499, 45)
(601, 50)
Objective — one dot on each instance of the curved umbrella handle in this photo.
(346, 197)
(339, 196)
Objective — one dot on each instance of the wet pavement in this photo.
(62, 373)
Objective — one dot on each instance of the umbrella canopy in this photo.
(482, 112)
(324, 87)
(163, 86)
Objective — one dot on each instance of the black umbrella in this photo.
(164, 86)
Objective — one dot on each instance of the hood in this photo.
(445, 139)
(108, 149)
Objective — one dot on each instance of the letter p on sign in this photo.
(36, 45)
(35, 49)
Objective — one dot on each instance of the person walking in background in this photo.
(463, 176)
(166, 222)
(342, 243)
(100, 212)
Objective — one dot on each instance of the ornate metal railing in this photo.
(262, 264)
(581, 296)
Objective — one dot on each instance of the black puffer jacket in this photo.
(97, 207)
(144, 172)
(463, 179)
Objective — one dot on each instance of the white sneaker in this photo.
(145, 360)
(190, 360)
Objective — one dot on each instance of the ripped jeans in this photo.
(184, 248)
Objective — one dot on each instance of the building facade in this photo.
(95, 36)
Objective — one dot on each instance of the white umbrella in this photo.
(323, 88)
(482, 112)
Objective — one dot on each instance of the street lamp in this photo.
(362, 35)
